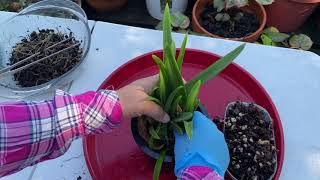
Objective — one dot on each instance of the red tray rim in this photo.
(103, 85)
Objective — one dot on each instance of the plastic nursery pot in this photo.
(266, 118)
(107, 5)
(142, 143)
(253, 7)
(156, 7)
(289, 15)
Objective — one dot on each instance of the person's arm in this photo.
(33, 132)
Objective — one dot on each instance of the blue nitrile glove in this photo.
(206, 148)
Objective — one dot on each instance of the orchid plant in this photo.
(177, 98)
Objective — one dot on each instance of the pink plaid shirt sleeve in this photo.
(33, 132)
(199, 173)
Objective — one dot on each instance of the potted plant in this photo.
(156, 7)
(107, 5)
(177, 98)
(236, 20)
(289, 15)
(250, 137)
(272, 37)
(18, 5)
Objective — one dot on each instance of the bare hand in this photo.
(134, 100)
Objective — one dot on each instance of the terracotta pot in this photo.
(289, 15)
(106, 5)
(253, 7)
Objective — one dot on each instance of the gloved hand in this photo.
(206, 148)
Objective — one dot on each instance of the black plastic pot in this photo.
(143, 145)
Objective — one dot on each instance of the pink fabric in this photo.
(33, 132)
(199, 173)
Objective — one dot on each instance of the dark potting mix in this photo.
(44, 43)
(251, 143)
(231, 23)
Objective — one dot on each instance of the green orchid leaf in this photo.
(171, 98)
(182, 51)
(161, 66)
(159, 62)
(300, 41)
(155, 92)
(173, 50)
(150, 98)
(184, 116)
(215, 68)
(162, 88)
(152, 145)
(173, 70)
(196, 104)
(153, 133)
(192, 97)
(163, 131)
(163, 77)
(188, 126)
(167, 38)
(277, 37)
(158, 166)
(176, 127)
(175, 105)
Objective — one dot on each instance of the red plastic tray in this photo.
(116, 156)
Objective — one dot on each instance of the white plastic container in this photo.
(155, 10)
(60, 15)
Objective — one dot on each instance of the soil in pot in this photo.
(250, 138)
(231, 23)
(41, 44)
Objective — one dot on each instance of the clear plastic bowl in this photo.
(60, 15)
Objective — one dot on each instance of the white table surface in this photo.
(291, 77)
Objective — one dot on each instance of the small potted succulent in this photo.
(272, 37)
(177, 98)
(156, 7)
(237, 20)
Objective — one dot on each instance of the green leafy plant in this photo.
(177, 98)
(226, 4)
(272, 37)
(180, 23)
(300, 41)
